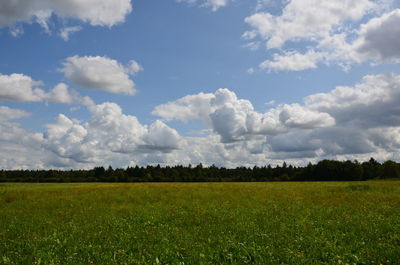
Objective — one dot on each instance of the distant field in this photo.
(201, 223)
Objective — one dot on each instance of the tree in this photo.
(372, 169)
(391, 170)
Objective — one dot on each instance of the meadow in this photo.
(201, 223)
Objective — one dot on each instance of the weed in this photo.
(201, 223)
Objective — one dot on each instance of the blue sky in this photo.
(213, 81)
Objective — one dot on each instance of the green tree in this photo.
(391, 170)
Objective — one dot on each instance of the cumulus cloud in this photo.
(124, 133)
(293, 61)
(18, 148)
(108, 133)
(311, 19)
(100, 72)
(187, 108)
(371, 103)
(61, 94)
(326, 142)
(95, 12)
(367, 119)
(349, 122)
(325, 32)
(16, 141)
(118, 132)
(379, 38)
(7, 114)
(20, 87)
(235, 119)
(161, 137)
(65, 138)
(296, 116)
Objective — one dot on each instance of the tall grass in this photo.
(201, 223)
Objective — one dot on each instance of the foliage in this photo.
(325, 170)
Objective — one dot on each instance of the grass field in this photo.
(201, 223)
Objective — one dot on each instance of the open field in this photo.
(201, 223)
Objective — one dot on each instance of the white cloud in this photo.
(61, 94)
(296, 116)
(325, 32)
(100, 73)
(19, 148)
(161, 137)
(293, 61)
(271, 102)
(371, 103)
(42, 17)
(355, 122)
(214, 5)
(187, 108)
(108, 133)
(134, 67)
(65, 32)
(306, 19)
(116, 131)
(349, 122)
(65, 138)
(253, 45)
(235, 119)
(261, 4)
(367, 119)
(7, 114)
(95, 12)
(19, 87)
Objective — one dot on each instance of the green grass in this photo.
(201, 223)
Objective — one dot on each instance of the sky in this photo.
(225, 82)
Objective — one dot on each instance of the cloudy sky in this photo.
(225, 82)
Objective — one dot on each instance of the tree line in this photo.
(325, 170)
